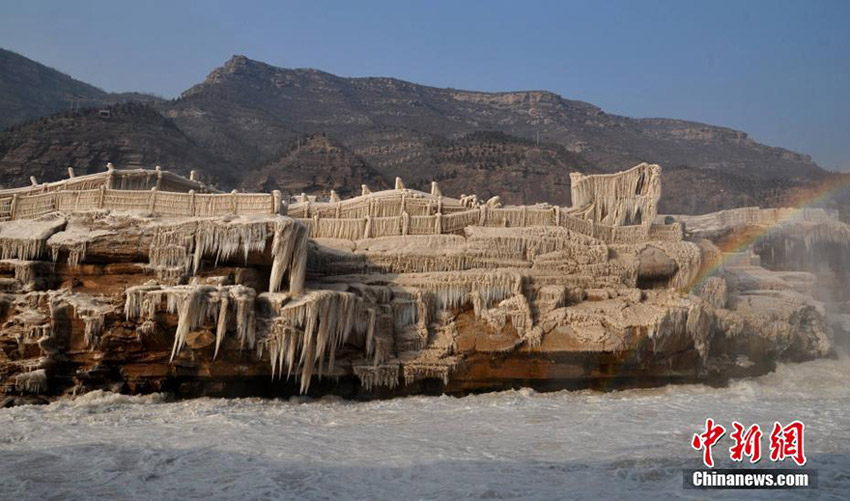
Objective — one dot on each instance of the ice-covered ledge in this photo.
(401, 291)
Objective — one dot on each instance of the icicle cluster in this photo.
(27, 240)
(691, 321)
(76, 254)
(625, 198)
(25, 271)
(289, 249)
(178, 248)
(93, 314)
(31, 382)
(515, 310)
(374, 376)
(529, 243)
(183, 245)
(418, 371)
(196, 305)
(714, 291)
(308, 331)
(22, 248)
(450, 291)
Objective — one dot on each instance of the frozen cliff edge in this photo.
(401, 291)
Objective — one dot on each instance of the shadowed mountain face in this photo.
(30, 90)
(129, 135)
(315, 164)
(257, 126)
(422, 133)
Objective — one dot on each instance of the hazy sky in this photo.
(779, 70)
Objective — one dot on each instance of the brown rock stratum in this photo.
(111, 281)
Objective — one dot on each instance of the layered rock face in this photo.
(393, 292)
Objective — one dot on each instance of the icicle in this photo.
(245, 315)
(298, 266)
(371, 376)
(624, 198)
(93, 329)
(370, 333)
(27, 240)
(221, 325)
(31, 382)
(195, 305)
(289, 251)
(308, 332)
(188, 314)
(440, 369)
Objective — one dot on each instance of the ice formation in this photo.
(377, 376)
(625, 198)
(397, 289)
(178, 248)
(307, 333)
(32, 382)
(194, 306)
(27, 240)
(92, 310)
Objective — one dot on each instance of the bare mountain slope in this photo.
(243, 126)
(315, 164)
(246, 108)
(132, 135)
(30, 90)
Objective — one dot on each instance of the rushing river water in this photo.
(508, 445)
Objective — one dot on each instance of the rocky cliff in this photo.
(399, 291)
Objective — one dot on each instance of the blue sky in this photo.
(779, 70)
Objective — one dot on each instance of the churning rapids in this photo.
(513, 444)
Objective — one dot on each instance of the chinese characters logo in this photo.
(786, 442)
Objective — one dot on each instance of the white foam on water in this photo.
(507, 445)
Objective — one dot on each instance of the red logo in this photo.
(747, 443)
(785, 442)
(705, 441)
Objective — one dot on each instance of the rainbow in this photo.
(741, 240)
(798, 202)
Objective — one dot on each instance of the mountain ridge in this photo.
(518, 144)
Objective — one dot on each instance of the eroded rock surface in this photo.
(402, 291)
